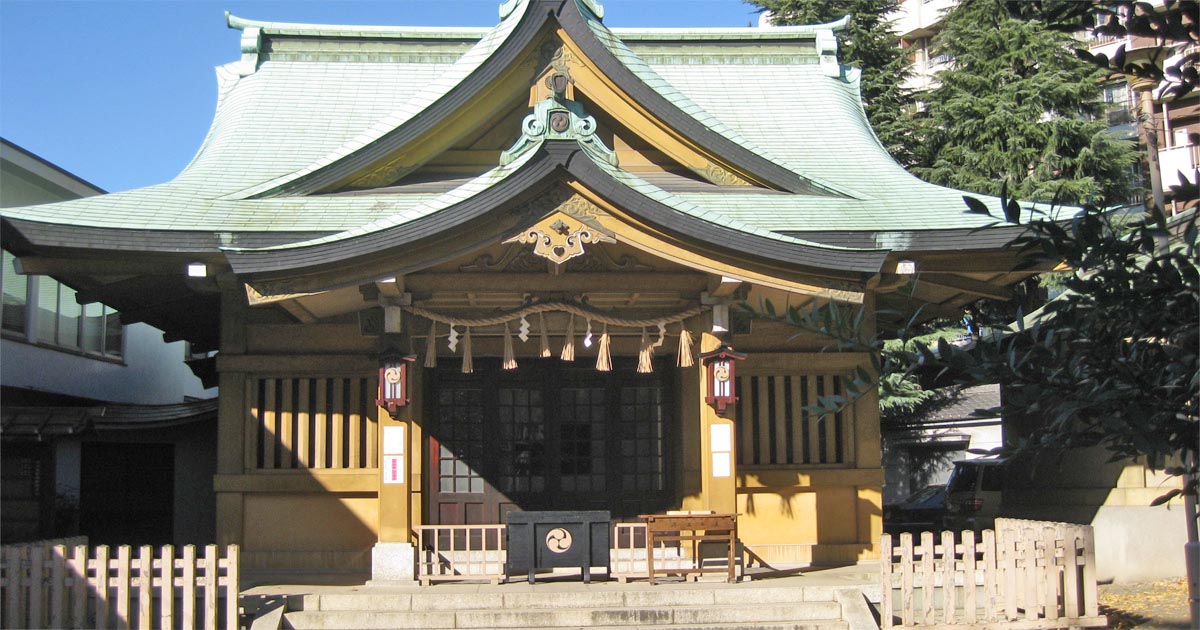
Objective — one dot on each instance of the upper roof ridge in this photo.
(791, 31)
(269, 27)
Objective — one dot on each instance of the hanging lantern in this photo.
(394, 369)
(721, 379)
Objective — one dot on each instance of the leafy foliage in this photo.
(869, 44)
(1111, 362)
(1017, 103)
(900, 396)
(1174, 22)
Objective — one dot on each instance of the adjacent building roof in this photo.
(42, 422)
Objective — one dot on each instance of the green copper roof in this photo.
(429, 92)
(765, 89)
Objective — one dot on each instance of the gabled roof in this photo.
(784, 165)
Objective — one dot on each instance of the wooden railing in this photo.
(1027, 574)
(478, 552)
(460, 552)
(627, 559)
(59, 586)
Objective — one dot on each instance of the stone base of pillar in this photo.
(393, 563)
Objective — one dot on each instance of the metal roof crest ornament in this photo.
(558, 118)
(597, 9)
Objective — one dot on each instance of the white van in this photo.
(973, 494)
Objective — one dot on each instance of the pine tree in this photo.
(1017, 104)
(869, 44)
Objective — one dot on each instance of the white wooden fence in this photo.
(1025, 574)
(47, 585)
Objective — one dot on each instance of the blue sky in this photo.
(122, 93)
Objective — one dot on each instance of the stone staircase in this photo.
(678, 606)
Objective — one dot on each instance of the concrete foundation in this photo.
(393, 563)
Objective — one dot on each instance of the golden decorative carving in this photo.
(515, 259)
(598, 259)
(382, 175)
(560, 237)
(580, 208)
(721, 177)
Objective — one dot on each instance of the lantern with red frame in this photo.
(721, 378)
(394, 369)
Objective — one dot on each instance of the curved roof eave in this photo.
(548, 166)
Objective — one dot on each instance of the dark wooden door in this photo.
(547, 436)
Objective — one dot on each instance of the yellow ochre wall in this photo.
(329, 519)
(809, 513)
(293, 517)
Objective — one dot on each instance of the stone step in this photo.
(439, 599)
(723, 615)
(822, 624)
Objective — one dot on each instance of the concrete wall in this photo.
(1133, 540)
(150, 373)
(1136, 543)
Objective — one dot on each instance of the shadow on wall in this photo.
(310, 500)
(1070, 487)
(828, 525)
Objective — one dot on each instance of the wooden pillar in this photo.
(868, 444)
(232, 409)
(717, 460)
(399, 442)
(397, 486)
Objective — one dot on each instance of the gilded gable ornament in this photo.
(560, 237)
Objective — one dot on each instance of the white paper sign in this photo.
(393, 469)
(393, 440)
(721, 465)
(721, 438)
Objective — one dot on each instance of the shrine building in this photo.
(543, 237)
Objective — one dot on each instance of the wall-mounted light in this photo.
(906, 267)
(197, 270)
(394, 375)
(721, 377)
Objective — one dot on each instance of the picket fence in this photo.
(1024, 574)
(54, 585)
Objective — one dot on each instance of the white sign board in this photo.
(720, 442)
(393, 440)
(722, 466)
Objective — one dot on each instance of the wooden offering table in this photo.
(695, 529)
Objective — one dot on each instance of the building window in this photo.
(54, 317)
(777, 428)
(16, 295)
